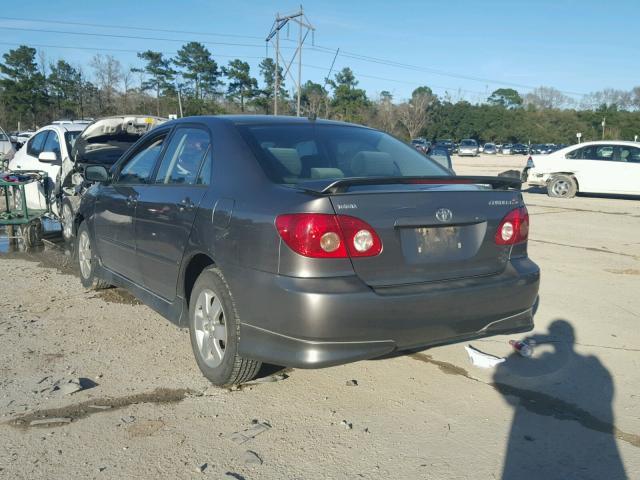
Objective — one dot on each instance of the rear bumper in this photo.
(312, 323)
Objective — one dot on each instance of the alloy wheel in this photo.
(210, 328)
(84, 254)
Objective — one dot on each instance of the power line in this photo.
(317, 48)
(131, 37)
(128, 27)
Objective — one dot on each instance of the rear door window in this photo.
(183, 158)
(629, 154)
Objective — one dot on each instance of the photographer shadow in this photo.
(563, 423)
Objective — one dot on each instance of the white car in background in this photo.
(45, 151)
(6, 148)
(610, 167)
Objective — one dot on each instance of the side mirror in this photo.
(48, 157)
(96, 173)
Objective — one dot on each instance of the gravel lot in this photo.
(144, 410)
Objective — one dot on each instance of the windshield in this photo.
(290, 154)
(3, 137)
(468, 143)
(70, 138)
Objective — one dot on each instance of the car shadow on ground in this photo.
(563, 422)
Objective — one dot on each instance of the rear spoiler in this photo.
(343, 184)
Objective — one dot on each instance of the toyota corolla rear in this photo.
(378, 249)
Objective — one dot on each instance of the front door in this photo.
(167, 208)
(115, 210)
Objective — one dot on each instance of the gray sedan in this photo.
(305, 243)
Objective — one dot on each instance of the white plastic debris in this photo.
(481, 359)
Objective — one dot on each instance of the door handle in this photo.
(185, 204)
(131, 200)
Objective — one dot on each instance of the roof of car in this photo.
(608, 142)
(262, 119)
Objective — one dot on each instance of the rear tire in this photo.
(214, 329)
(87, 261)
(562, 186)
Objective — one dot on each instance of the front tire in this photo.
(214, 329)
(66, 219)
(562, 186)
(87, 261)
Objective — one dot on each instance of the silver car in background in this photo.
(468, 147)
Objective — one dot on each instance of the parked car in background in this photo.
(20, 138)
(490, 149)
(46, 150)
(102, 142)
(448, 144)
(506, 149)
(305, 243)
(421, 144)
(520, 149)
(610, 167)
(468, 147)
(6, 149)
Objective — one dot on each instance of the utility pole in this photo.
(604, 123)
(305, 27)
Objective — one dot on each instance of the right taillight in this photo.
(514, 227)
(320, 235)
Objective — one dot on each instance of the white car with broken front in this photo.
(604, 167)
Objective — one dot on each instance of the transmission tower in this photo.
(304, 28)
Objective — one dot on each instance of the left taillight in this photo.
(319, 235)
(514, 227)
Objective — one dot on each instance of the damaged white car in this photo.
(603, 167)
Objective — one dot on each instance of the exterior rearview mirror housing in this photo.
(96, 173)
(48, 157)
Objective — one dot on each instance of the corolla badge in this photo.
(444, 214)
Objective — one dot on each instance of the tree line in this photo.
(34, 91)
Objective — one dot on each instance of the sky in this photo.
(467, 48)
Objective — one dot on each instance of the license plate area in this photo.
(437, 244)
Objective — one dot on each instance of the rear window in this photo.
(290, 154)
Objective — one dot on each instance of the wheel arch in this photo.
(193, 267)
(569, 174)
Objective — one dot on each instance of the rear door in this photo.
(432, 233)
(115, 209)
(167, 207)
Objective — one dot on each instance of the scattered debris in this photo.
(251, 458)
(481, 359)
(524, 348)
(203, 467)
(72, 386)
(256, 429)
(277, 377)
(346, 424)
(50, 421)
(128, 419)
(352, 383)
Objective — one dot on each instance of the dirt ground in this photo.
(143, 410)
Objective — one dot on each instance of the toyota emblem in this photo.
(444, 215)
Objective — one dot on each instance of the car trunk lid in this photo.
(431, 229)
